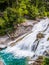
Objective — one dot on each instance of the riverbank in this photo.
(22, 29)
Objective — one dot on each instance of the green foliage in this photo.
(14, 15)
(2, 23)
(2, 1)
(48, 14)
(33, 12)
(15, 11)
(42, 12)
(2, 26)
(11, 16)
(46, 61)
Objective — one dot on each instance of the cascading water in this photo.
(33, 45)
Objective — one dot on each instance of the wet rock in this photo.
(3, 48)
(46, 53)
(40, 35)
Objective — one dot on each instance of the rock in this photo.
(46, 53)
(40, 35)
(38, 19)
(38, 61)
(28, 23)
(3, 39)
(4, 47)
(1, 63)
(19, 30)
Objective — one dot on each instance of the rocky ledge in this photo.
(20, 30)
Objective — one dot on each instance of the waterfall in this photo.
(34, 44)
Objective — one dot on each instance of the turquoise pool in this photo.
(10, 59)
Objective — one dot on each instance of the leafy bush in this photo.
(2, 1)
(48, 14)
(46, 61)
(33, 12)
(42, 12)
(11, 16)
(2, 22)
(2, 26)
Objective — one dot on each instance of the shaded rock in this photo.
(46, 53)
(40, 35)
(1, 48)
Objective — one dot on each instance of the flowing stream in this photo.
(32, 45)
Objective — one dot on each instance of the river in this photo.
(35, 44)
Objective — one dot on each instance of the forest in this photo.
(16, 11)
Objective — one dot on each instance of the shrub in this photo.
(14, 15)
(2, 26)
(1, 22)
(42, 12)
(33, 12)
(46, 61)
(11, 16)
(48, 14)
